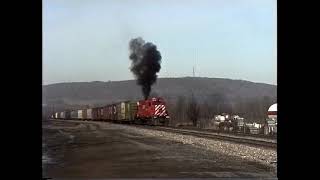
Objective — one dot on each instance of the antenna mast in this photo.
(193, 70)
(195, 60)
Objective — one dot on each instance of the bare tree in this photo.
(170, 105)
(193, 110)
(180, 108)
(206, 113)
(217, 101)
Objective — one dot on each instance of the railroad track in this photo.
(254, 141)
(269, 143)
(241, 134)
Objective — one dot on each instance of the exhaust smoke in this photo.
(146, 60)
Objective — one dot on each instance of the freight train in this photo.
(152, 111)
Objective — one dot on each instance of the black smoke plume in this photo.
(145, 65)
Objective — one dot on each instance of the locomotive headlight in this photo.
(167, 117)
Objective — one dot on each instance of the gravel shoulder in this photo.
(103, 150)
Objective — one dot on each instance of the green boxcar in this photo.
(126, 110)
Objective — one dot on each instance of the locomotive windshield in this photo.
(157, 103)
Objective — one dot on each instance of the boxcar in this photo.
(127, 111)
(114, 112)
(94, 113)
(84, 114)
(118, 110)
(74, 114)
(133, 110)
(108, 112)
(62, 115)
(80, 114)
(97, 113)
(100, 113)
(89, 114)
(105, 113)
(58, 115)
(67, 115)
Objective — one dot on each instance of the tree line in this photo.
(189, 109)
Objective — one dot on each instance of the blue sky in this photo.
(88, 40)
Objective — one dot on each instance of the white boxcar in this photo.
(80, 116)
(63, 115)
(89, 113)
(74, 114)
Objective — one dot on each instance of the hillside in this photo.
(96, 93)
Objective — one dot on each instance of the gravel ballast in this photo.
(262, 155)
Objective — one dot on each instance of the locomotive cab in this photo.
(153, 111)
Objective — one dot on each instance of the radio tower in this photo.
(193, 70)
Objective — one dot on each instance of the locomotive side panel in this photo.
(152, 108)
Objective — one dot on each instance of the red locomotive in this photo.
(153, 111)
